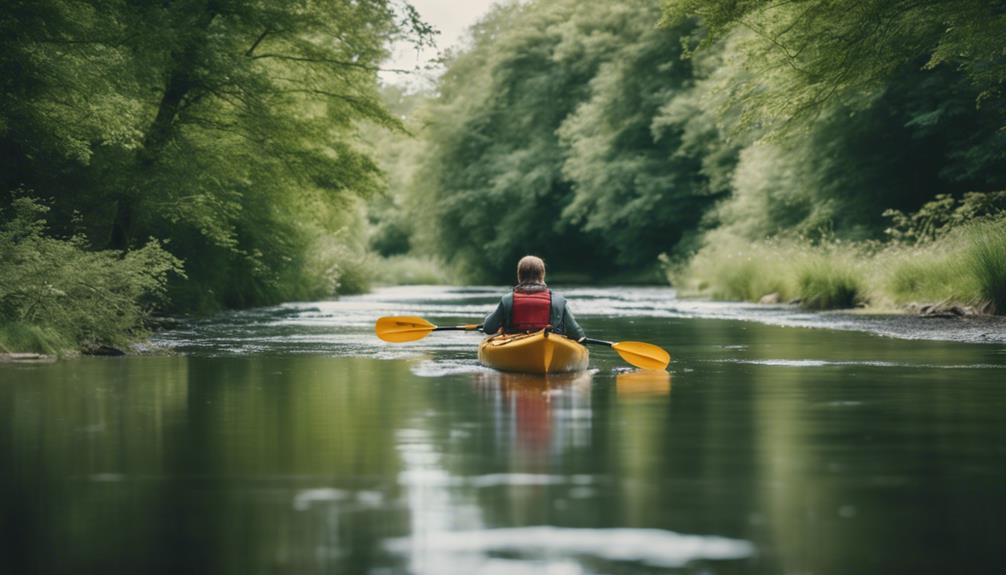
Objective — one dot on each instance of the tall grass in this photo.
(830, 278)
(966, 267)
(819, 277)
(986, 262)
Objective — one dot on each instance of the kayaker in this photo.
(531, 306)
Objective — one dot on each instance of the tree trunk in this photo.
(180, 83)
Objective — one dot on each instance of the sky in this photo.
(452, 18)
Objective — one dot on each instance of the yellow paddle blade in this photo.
(642, 355)
(398, 329)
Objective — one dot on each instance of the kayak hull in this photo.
(538, 352)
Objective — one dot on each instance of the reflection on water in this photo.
(643, 383)
(776, 450)
(539, 415)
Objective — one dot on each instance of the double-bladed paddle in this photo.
(399, 329)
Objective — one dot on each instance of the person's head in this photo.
(530, 270)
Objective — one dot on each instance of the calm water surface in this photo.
(291, 440)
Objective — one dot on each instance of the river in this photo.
(291, 440)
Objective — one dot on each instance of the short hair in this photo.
(530, 269)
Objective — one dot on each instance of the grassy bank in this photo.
(966, 267)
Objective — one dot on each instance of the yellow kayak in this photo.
(538, 352)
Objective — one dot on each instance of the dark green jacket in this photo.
(561, 319)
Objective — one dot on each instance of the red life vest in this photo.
(531, 311)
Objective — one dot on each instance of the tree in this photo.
(814, 51)
(550, 135)
(225, 127)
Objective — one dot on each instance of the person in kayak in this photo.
(531, 306)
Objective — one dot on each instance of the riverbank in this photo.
(962, 273)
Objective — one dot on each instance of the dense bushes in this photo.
(56, 295)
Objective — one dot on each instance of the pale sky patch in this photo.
(452, 18)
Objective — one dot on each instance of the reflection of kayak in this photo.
(539, 352)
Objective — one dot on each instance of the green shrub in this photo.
(985, 260)
(944, 214)
(55, 295)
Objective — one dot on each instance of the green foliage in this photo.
(18, 337)
(943, 214)
(838, 174)
(56, 295)
(636, 177)
(808, 53)
(555, 134)
(226, 128)
(579, 129)
(493, 174)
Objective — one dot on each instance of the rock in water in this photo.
(771, 298)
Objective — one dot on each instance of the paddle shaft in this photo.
(597, 341)
(458, 328)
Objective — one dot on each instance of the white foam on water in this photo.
(370, 498)
(441, 368)
(438, 478)
(518, 479)
(500, 566)
(308, 497)
(545, 547)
